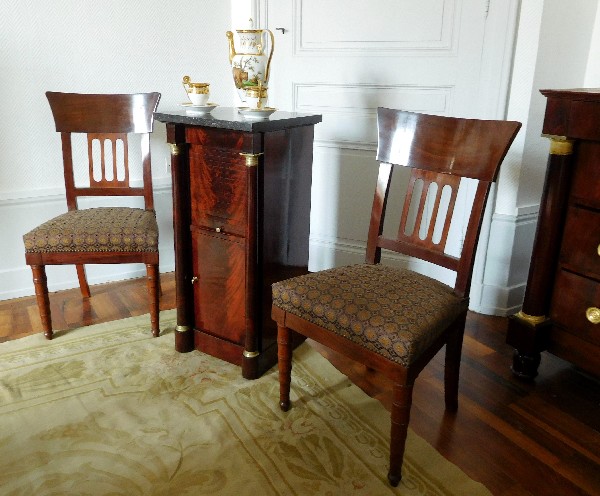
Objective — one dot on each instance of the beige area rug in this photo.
(107, 409)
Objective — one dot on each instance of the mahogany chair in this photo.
(391, 319)
(99, 235)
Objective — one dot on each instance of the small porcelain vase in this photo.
(249, 63)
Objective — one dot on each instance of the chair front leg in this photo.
(40, 284)
(284, 357)
(154, 297)
(401, 403)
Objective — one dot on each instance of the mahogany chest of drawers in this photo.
(561, 309)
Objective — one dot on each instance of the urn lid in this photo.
(249, 28)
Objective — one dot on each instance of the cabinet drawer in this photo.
(219, 266)
(584, 189)
(581, 242)
(573, 295)
(218, 184)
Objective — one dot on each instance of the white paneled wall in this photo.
(443, 57)
(134, 45)
(409, 56)
(102, 46)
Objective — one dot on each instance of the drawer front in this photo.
(580, 249)
(573, 296)
(584, 121)
(218, 183)
(219, 265)
(585, 188)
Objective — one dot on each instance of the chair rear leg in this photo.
(83, 284)
(153, 280)
(452, 364)
(284, 363)
(401, 403)
(40, 284)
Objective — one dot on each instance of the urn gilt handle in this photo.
(268, 69)
(232, 53)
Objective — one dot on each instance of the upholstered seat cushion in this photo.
(120, 229)
(394, 312)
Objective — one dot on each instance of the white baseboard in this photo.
(18, 282)
(497, 300)
(507, 260)
(23, 211)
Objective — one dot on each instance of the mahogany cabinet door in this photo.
(219, 265)
(218, 185)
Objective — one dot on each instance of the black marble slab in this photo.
(230, 118)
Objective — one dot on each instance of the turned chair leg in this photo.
(83, 284)
(284, 363)
(40, 284)
(401, 403)
(452, 366)
(153, 280)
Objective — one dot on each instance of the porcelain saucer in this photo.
(199, 109)
(256, 114)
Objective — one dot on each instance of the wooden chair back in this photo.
(107, 119)
(440, 151)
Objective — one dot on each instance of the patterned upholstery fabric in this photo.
(96, 230)
(394, 312)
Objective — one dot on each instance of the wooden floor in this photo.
(517, 438)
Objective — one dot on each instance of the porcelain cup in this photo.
(198, 98)
(198, 93)
(256, 97)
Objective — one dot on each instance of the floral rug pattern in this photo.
(107, 409)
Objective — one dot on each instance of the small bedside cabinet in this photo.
(241, 212)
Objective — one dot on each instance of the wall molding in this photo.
(14, 198)
(350, 110)
(345, 97)
(441, 43)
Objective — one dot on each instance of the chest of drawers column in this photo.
(561, 309)
(241, 213)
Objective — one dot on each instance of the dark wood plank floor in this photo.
(517, 438)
